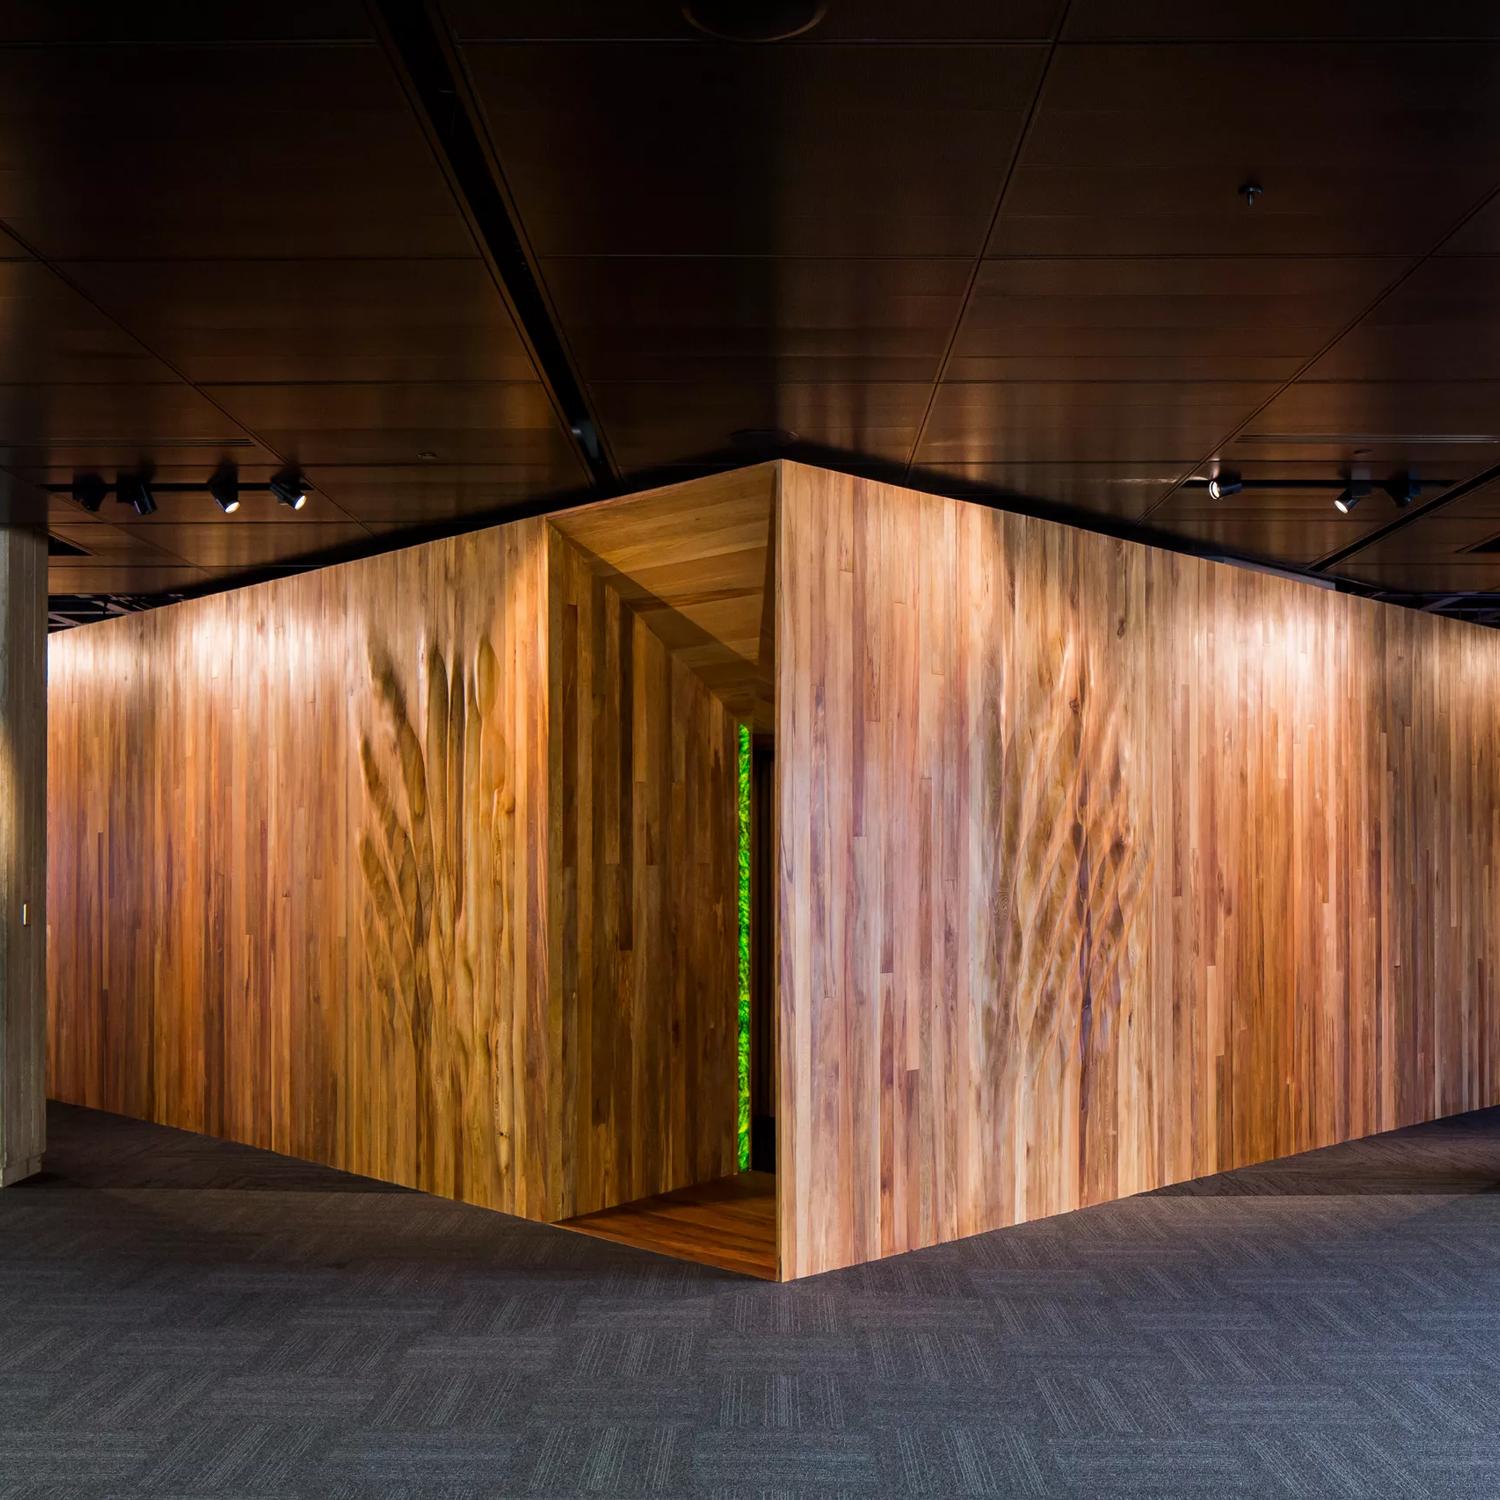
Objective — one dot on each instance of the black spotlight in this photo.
(224, 486)
(1225, 482)
(1403, 489)
(89, 491)
(1350, 496)
(134, 491)
(290, 488)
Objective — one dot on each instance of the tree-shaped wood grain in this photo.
(1067, 874)
(434, 856)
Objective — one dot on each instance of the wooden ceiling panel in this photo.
(1122, 490)
(1042, 421)
(49, 333)
(430, 494)
(1361, 149)
(239, 151)
(846, 21)
(314, 320)
(1294, 538)
(378, 422)
(1442, 323)
(1415, 413)
(54, 22)
(658, 424)
(1484, 501)
(738, 318)
(1427, 577)
(136, 419)
(208, 545)
(716, 150)
(1273, 20)
(1235, 318)
(81, 576)
(694, 562)
(108, 543)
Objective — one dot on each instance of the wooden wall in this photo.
(298, 868)
(1103, 867)
(23, 850)
(644, 917)
(422, 866)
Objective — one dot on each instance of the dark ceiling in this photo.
(990, 248)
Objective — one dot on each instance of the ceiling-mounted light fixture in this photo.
(134, 491)
(290, 489)
(224, 486)
(753, 20)
(1403, 489)
(89, 491)
(1225, 482)
(1350, 496)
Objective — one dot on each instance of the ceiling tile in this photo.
(72, 576)
(1211, 318)
(740, 318)
(430, 494)
(1298, 540)
(848, 20)
(394, 422)
(1037, 421)
(1361, 149)
(239, 151)
(1430, 414)
(752, 150)
(1426, 577)
(1248, 20)
(135, 417)
(664, 423)
(208, 545)
(1123, 490)
(50, 333)
(306, 320)
(96, 21)
(1442, 323)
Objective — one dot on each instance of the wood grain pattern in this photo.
(695, 561)
(23, 850)
(644, 916)
(422, 866)
(730, 1223)
(299, 838)
(1104, 867)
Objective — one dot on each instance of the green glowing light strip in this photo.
(744, 948)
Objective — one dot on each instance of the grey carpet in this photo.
(181, 1317)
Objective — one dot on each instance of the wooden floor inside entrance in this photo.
(730, 1223)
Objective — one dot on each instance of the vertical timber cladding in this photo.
(644, 915)
(23, 850)
(1103, 867)
(298, 836)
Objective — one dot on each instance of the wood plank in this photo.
(693, 560)
(299, 834)
(730, 1223)
(1102, 867)
(23, 851)
(644, 916)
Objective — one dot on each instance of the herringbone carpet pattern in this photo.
(185, 1318)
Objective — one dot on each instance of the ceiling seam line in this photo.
(1347, 328)
(458, 136)
(50, 267)
(977, 266)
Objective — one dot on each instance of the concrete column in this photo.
(23, 850)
